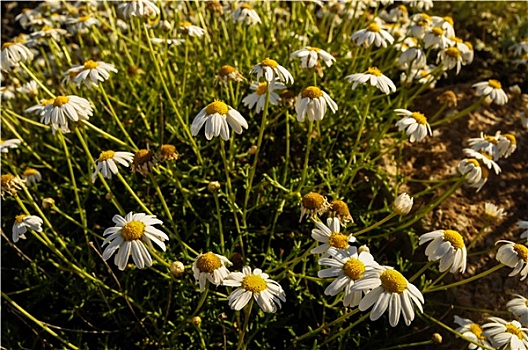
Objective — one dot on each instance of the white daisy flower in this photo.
(7, 93)
(90, 73)
(313, 204)
(446, 24)
(506, 335)
(402, 204)
(421, 23)
(23, 222)
(493, 89)
(450, 58)
(419, 4)
(311, 55)
(30, 89)
(272, 71)
(189, 29)
(26, 16)
(74, 107)
(476, 176)
(467, 52)
(372, 35)
(312, 102)
(520, 48)
(414, 123)
(484, 158)
(218, 117)
(373, 76)
(106, 163)
(388, 290)
(8, 144)
(138, 8)
(37, 109)
(519, 307)
(267, 293)
(514, 255)
(507, 144)
(448, 247)
(82, 24)
(131, 235)
(210, 267)
(168, 42)
(258, 98)
(435, 38)
(473, 331)
(330, 237)
(524, 226)
(348, 266)
(31, 176)
(12, 54)
(413, 56)
(487, 144)
(49, 32)
(492, 212)
(246, 14)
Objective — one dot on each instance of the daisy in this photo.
(374, 76)
(484, 158)
(312, 102)
(271, 71)
(448, 247)
(138, 8)
(246, 14)
(414, 56)
(507, 144)
(473, 331)
(167, 152)
(74, 107)
(402, 204)
(10, 184)
(31, 176)
(487, 144)
(313, 204)
(12, 54)
(90, 73)
(348, 266)
(419, 4)
(8, 144)
(520, 48)
(168, 42)
(229, 73)
(492, 213)
(143, 162)
(467, 54)
(258, 98)
(81, 24)
(267, 293)
(493, 89)
(218, 117)
(519, 307)
(106, 163)
(210, 267)
(446, 24)
(414, 123)
(388, 290)
(514, 255)
(506, 335)
(30, 89)
(330, 236)
(421, 23)
(310, 56)
(524, 226)
(451, 58)
(339, 209)
(23, 222)
(474, 173)
(7, 93)
(189, 29)
(26, 16)
(131, 235)
(435, 38)
(49, 32)
(37, 109)
(373, 34)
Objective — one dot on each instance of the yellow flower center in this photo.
(60, 101)
(29, 172)
(426, 17)
(393, 281)
(313, 201)
(449, 20)
(485, 172)
(133, 231)
(106, 155)
(437, 31)
(354, 268)
(254, 283)
(340, 208)
(491, 139)
(511, 138)
(454, 238)
(217, 107)
(469, 45)
(316, 49)
(522, 251)
(373, 27)
(84, 18)
(402, 8)
(494, 84)
(47, 28)
(208, 262)
(185, 24)
(269, 63)
(312, 92)
(338, 240)
(419, 117)
(47, 102)
(526, 302)
(90, 64)
(19, 39)
(374, 71)
(486, 155)
(422, 23)
(6, 45)
(456, 39)
(20, 218)
(510, 328)
(246, 6)
(262, 88)
(477, 330)
(453, 52)
(474, 162)
(226, 70)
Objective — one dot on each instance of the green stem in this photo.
(474, 240)
(467, 280)
(306, 155)
(247, 313)
(422, 270)
(373, 226)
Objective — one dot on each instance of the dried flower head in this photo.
(10, 184)
(168, 152)
(448, 98)
(339, 209)
(144, 161)
(313, 204)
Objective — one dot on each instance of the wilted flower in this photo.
(31, 176)
(10, 184)
(313, 204)
(339, 209)
(23, 222)
(229, 73)
(143, 162)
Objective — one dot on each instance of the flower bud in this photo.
(363, 248)
(403, 204)
(177, 268)
(196, 321)
(213, 186)
(48, 203)
(437, 338)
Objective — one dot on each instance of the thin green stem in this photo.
(309, 137)
(373, 226)
(247, 313)
(465, 281)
